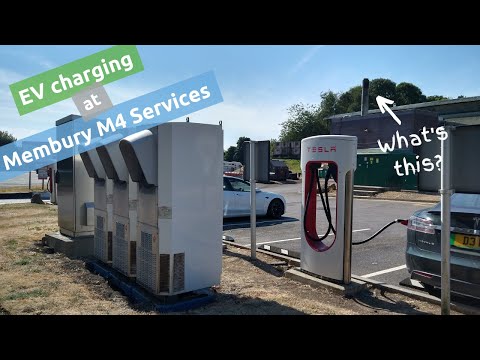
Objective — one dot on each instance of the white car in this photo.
(236, 200)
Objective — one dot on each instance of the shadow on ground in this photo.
(241, 223)
(379, 301)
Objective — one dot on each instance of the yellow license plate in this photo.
(466, 241)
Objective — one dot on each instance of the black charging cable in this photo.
(331, 172)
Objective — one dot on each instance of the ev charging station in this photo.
(124, 203)
(103, 211)
(178, 169)
(328, 253)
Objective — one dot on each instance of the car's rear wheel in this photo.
(276, 208)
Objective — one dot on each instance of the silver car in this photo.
(423, 245)
(236, 200)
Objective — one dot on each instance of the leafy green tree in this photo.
(436, 98)
(460, 97)
(407, 93)
(6, 138)
(272, 146)
(238, 155)
(382, 87)
(349, 101)
(303, 121)
(229, 153)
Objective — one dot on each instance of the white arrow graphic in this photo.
(382, 105)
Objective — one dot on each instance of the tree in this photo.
(407, 93)
(6, 138)
(349, 101)
(238, 155)
(382, 87)
(436, 98)
(229, 154)
(303, 121)
(272, 146)
(460, 97)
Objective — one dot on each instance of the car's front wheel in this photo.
(276, 208)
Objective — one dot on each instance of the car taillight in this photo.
(422, 225)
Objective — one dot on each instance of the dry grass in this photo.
(13, 189)
(33, 281)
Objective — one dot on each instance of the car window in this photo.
(466, 200)
(226, 185)
(239, 185)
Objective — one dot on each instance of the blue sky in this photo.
(258, 83)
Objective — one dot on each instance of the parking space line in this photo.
(284, 240)
(263, 222)
(385, 271)
(276, 241)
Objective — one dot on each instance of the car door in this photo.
(228, 199)
(241, 192)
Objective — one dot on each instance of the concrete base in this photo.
(351, 289)
(138, 295)
(71, 247)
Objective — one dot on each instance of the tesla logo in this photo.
(477, 221)
(321, 149)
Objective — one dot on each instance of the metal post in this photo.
(445, 195)
(53, 195)
(43, 184)
(347, 237)
(253, 207)
(365, 99)
(29, 180)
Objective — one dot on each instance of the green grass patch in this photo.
(26, 295)
(23, 261)
(11, 244)
(293, 165)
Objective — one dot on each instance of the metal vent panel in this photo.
(146, 262)
(99, 238)
(164, 273)
(179, 272)
(120, 245)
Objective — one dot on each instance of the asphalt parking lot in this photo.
(382, 259)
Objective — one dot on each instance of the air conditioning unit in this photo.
(124, 202)
(178, 169)
(102, 213)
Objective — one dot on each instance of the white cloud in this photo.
(305, 58)
(8, 76)
(256, 122)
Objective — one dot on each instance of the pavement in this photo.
(44, 195)
(382, 259)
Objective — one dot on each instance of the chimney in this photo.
(365, 85)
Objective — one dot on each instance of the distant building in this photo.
(377, 126)
(229, 166)
(287, 150)
(376, 169)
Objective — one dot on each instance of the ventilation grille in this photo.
(120, 246)
(146, 262)
(178, 272)
(133, 257)
(164, 273)
(99, 238)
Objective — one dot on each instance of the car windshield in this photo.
(466, 200)
(239, 185)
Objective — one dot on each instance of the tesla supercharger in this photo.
(326, 246)
(124, 200)
(102, 211)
